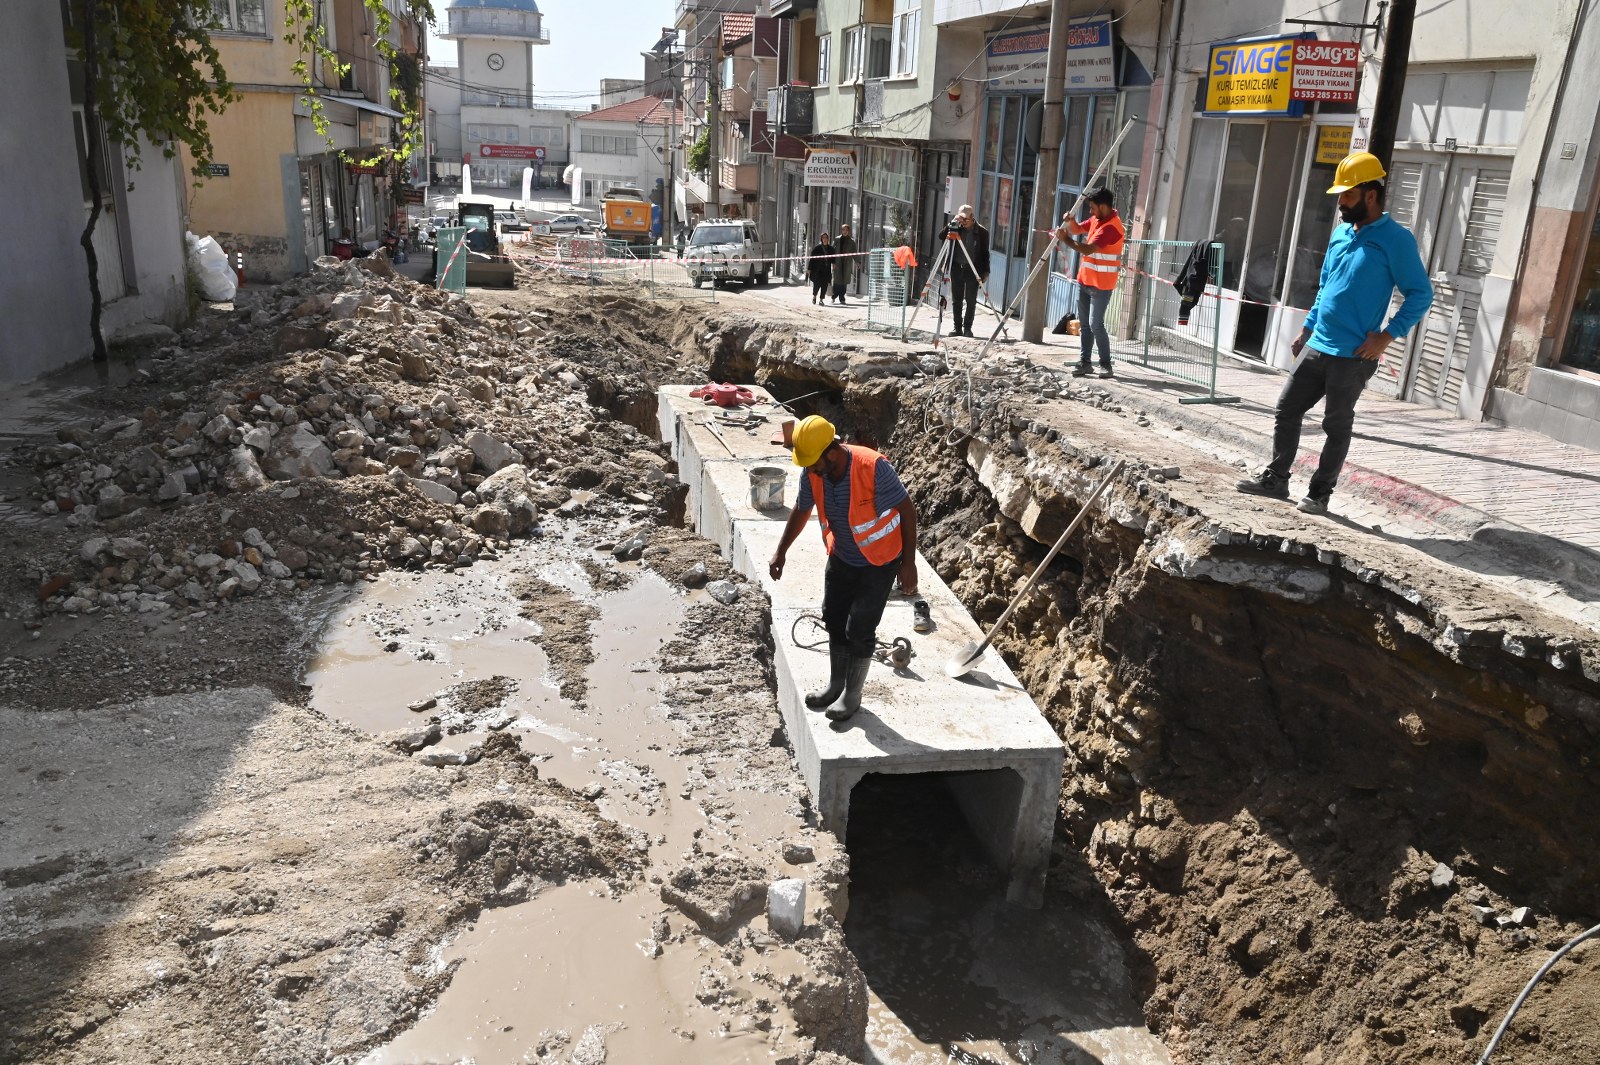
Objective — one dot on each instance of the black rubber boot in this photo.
(838, 667)
(846, 707)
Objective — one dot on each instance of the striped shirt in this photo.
(887, 492)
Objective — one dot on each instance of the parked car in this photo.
(568, 223)
(727, 249)
(510, 222)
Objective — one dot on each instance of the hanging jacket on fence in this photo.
(1193, 278)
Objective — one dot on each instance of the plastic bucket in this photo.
(766, 486)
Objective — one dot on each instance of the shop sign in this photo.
(510, 151)
(1252, 78)
(830, 168)
(1333, 143)
(1325, 71)
(370, 166)
(1017, 60)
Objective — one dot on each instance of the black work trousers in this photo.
(853, 598)
(964, 296)
(1319, 376)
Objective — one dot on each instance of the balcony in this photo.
(497, 22)
(740, 177)
(869, 109)
(790, 109)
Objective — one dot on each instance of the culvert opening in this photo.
(955, 970)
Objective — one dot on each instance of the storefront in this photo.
(1013, 115)
(888, 197)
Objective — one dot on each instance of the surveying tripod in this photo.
(938, 280)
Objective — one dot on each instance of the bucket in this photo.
(766, 486)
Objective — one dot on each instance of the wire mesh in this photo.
(1155, 322)
(888, 291)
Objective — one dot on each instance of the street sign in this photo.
(830, 168)
(1325, 71)
(1252, 78)
(511, 151)
(217, 169)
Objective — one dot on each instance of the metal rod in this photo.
(1049, 249)
(1061, 541)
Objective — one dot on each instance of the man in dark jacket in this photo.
(972, 254)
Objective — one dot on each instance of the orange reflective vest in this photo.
(1098, 268)
(877, 534)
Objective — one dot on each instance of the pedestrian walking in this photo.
(844, 267)
(965, 278)
(869, 527)
(1100, 253)
(1339, 348)
(820, 269)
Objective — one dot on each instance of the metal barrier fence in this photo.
(888, 292)
(1148, 320)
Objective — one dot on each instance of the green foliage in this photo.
(157, 73)
(303, 25)
(700, 153)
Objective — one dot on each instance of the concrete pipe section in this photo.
(1000, 759)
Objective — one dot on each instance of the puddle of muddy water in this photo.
(567, 974)
(956, 973)
(571, 959)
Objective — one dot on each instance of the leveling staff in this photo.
(869, 527)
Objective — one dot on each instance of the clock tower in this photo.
(494, 40)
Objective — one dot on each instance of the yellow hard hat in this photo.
(811, 438)
(1357, 168)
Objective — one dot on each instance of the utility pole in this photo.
(1392, 80)
(1044, 181)
(713, 120)
(668, 197)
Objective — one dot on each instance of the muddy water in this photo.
(572, 972)
(568, 974)
(956, 973)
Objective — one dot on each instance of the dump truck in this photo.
(626, 214)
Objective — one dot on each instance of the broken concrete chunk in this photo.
(422, 705)
(786, 907)
(695, 576)
(492, 454)
(724, 592)
(435, 491)
(298, 454)
(1522, 917)
(798, 853)
(413, 739)
(1442, 876)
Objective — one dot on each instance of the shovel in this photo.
(968, 656)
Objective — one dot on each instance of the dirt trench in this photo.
(1312, 778)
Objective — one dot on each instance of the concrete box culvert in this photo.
(913, 721)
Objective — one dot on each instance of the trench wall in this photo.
(1272, 743)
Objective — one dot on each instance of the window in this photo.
(907, 30)
(606, 144)
(548, 136)
(825, 59)
(866, 53)
(241, 16)
(491, 134)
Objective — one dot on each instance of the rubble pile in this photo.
(368, 423)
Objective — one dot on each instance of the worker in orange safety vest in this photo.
(1101, 251)
(869, 526)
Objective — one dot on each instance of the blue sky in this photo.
(589, 40)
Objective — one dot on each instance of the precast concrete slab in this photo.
(982, 733)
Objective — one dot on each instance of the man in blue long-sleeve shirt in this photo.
(1369, 257)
